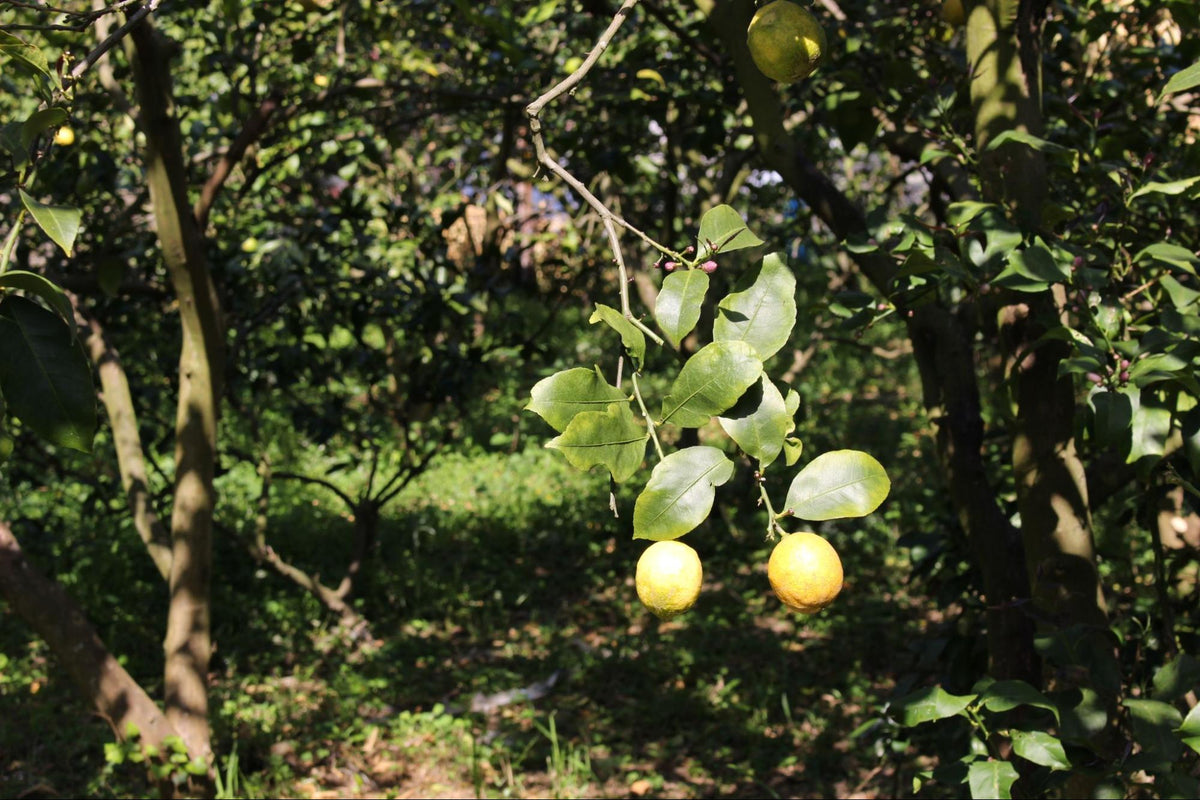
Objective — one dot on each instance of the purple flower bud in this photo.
(1078, 262)
(670, 265)
(691, 248)
(1124, 376)
(1124, 363)
(708, 266)
(1094, 378)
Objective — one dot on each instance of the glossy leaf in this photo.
(763, 313)
(35, 284)
(759, 422)
(724, 227)
(19, 50)
(677, 308)
(1189, 730)
(1181, 81)
(1037, 263)
(44, 375)
(41, 121)
(840, 483)
(991, 779)
(632, 338)
(679, 495)
(1041, 748)
(558, 398)
(1169, 188)
(1170, 254)
(60, 223)
(1001, 696)
(1176, 678)
(929, 705)
(1154, 725)
(611, 437)
(710, 382)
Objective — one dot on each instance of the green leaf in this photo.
(1037, 263)
(840, 483)
(677, 308)
(612, 437)
(60, 223)
(558, 398)
(1170, 188)
(725, 229)
(1002, 696)
(793, 448)
(632, 338)
(1176, 678)
(1036, 143)
(37, 285)
(759, 422)
(1041, 748)
(1190, 729)
(1170, 254)
(18, 49)
(991, 779)
(41, 121)
(1086, 718)
(959, 214)
(679, 495)
(44, 375)
(710, 382)
(1154, 726)
(764, 312)
(1186, 78)
(930, 705)
(1181, 296)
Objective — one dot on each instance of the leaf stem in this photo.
(637, 393)
(774, 529)
(10, 242)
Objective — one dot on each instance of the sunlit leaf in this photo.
(558, 398)
(1041, 748)
(764, 312)
(677, 308)
(1168, 188)
(991, 779)
(929, 705)
(724, 228)
(60, 223)
(1186, 78)
(710, 382)
(759, 422)
(1001, 696)
(679, 495)
(1154, 725)
(840, 483)
(632, 338)
(612, 437)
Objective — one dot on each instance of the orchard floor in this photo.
(508, 656)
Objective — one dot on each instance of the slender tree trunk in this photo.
(98, 676)
(188, 638)
(1004, 51)
(131, 462)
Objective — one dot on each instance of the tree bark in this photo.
(55, 617)
(1004, 51)
(188, 639)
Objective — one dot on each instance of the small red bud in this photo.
(1078, 262)
(708, 266)
(1094, 378)
(691, 248)
(1124, 363)
(670, 265)
(1124, 376)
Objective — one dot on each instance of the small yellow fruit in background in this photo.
(668, 578)
(954, 12)
(805, 572)
(786, 41)
(64, 136)
(321, 80)
(249, 245)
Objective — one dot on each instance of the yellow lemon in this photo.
(805, 572)
(786, 41)
(668, 578)
(64, 136)
(321, 80)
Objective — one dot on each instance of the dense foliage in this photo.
(340, 285)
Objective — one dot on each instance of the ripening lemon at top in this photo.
(805, 572)
(668, 578)
(954, 12)
(64, 136)
(786, 41)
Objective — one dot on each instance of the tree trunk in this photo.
(188, 638)
(1004, 51)
(55, 617)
